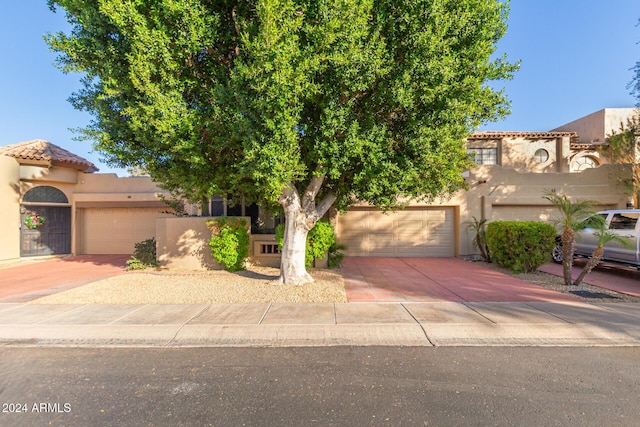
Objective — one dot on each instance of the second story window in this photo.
(483, 156)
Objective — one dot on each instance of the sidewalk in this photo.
(357, 324)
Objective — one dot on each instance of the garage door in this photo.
(116, 230)
(411, 232)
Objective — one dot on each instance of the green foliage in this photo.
(144, 255)
(319, 240)
(279, 235)
(520, 246)
(175, 205)
(622, 149)
(480, 238)
(573, 213)
(603, 236)
(134, 263)
(574, 216)
(246, 98)
(335, 256)
(229, 242)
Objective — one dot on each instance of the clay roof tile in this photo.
(41, 150)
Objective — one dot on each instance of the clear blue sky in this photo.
(576, 58)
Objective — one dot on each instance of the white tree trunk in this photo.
(300, 217)
(292, 266)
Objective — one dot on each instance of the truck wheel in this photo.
(557, 252)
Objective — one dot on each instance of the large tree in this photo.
(303, 103)
(624, 148)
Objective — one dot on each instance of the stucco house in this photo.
(90, 213)
(85, 212)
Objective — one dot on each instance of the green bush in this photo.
(522, 246)
(229, 242)
(319, 240)
(335, 257)
(144, 255)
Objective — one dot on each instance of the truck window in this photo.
(596, 221)
(624, 221)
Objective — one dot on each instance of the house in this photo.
(84, 212)
(514, 169)
(91, 213)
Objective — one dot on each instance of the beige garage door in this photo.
(116, 230)
(407, 233)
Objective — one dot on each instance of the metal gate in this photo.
(53, 237)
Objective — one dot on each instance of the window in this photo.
(44, 194)
(541, 155)
(596, 221)
(585, 162)
(483, 156)
(624, 221)
(269, 249)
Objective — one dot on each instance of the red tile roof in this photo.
(39, 149)
(528, 135)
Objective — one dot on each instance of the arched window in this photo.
(45, 194)
(585, 162)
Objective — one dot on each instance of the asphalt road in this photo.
(340, 386)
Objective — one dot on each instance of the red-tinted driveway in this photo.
(436, 279)
(29, 281)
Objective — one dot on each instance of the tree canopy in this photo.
(303, 103)
(249, 96)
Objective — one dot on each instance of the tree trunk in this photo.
(568, 239)
(301, 214)
(292, 265)
(596, 256)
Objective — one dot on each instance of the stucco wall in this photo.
(496, 193)
(596, 127)
(182, 243)
(10, 209)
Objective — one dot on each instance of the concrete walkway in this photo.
(361, 324)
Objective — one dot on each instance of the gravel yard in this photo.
(556, 283)
(162, 287)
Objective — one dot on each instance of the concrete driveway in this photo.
(32, 279)
(436, 280)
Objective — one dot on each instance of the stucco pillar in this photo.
(10, 212)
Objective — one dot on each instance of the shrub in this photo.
(520, 246)
(229, 242)
(144, 255)
(479, 227)
(319, 240)
(335, 257)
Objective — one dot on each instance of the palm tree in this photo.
(573, 216)
(480, 239)
(604, 236)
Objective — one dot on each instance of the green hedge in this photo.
(229, 241)
(522, 246)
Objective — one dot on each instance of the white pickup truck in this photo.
(626, 224)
